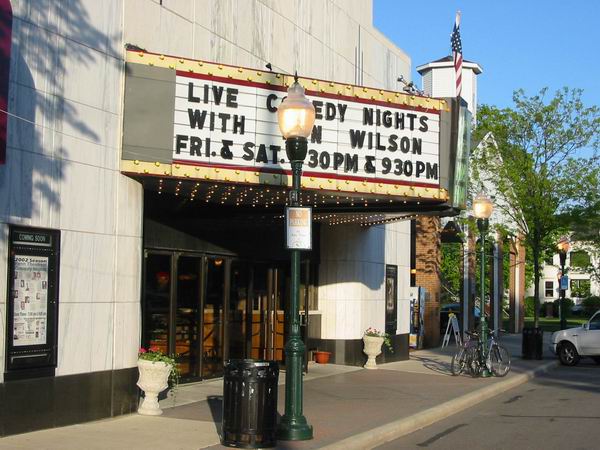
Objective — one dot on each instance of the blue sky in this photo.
(525, 44)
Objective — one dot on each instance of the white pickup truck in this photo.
(571, 344)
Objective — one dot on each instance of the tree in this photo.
(584, 224)
(544, 163)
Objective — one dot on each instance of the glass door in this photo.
(238, 324)
(187, 315)
(267, 313)
(157, 301)
(212, 318)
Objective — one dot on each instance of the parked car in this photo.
(574, 343)
(456, 309)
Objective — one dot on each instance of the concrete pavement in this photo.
(558, 410)
(349, 407)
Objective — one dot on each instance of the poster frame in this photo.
(34, 360)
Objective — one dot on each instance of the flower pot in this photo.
(372, 348)
(154, 378)
(322, 357)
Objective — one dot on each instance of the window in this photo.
(580, 288)
(580, 259)
(549, 260)
(549, 292)
(595, 323)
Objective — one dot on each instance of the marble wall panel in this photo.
(76, 267)
(127, 334)
(36, 54)
(74, 338)
(99, 69)
(130, 207)
(184, 8)
(345, 33)
(95, 24)
(42, 13)
(172, 28)
(87, 198)
(128, 269)
(143, 33)
(31, 105)
(103, 270)
(88, 123)
(102, 335)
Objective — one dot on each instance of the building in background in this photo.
(581, 283)
(146, 193)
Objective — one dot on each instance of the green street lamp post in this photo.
(482, 210)
(296, 116)
(563, 248)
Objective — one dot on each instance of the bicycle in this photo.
(472, 356)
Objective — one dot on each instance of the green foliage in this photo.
(580, 259)
(540, 166)
(529, 306)
(373, 332)
(580, 288)
(450, 271)
(591, 305)
(156, 355)
(567, 307)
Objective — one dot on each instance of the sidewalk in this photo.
(349, 407)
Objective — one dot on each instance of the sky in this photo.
(528, 44)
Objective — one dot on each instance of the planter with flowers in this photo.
(373, 339)
(157, 372)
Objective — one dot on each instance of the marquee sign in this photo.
(364, 140)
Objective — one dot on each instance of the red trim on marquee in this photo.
(282, 88)
(183, 73)
(305, 173)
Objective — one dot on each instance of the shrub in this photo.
(529, 306)
(567, 305)
(591, 304)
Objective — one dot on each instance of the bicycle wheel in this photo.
(499, 360)
(472, 356)
(459, 362)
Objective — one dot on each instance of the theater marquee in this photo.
(224, 127)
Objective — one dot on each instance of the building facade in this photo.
(119, 235)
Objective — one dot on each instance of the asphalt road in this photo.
(559, 410)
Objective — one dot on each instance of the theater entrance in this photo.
(208, 308)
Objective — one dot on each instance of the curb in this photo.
(401, 427)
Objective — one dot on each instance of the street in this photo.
(558, 410)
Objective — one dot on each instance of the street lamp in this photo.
(482, 210)
(296, 116)
(563, 248)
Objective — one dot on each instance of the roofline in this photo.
(432, 65)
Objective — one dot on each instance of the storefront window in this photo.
(157, 301)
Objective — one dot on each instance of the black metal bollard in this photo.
(249, 403)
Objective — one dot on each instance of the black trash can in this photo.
(249, 403)
(533, 343)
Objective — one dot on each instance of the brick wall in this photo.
(428, 254)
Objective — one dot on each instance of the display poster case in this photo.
(32, 316)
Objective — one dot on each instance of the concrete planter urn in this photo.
(154, 378)
(372, 349)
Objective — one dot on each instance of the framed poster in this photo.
(33, 302)
(298, 226)
(391, 299)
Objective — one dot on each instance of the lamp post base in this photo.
(294, 429)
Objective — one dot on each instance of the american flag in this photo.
(457, 53)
